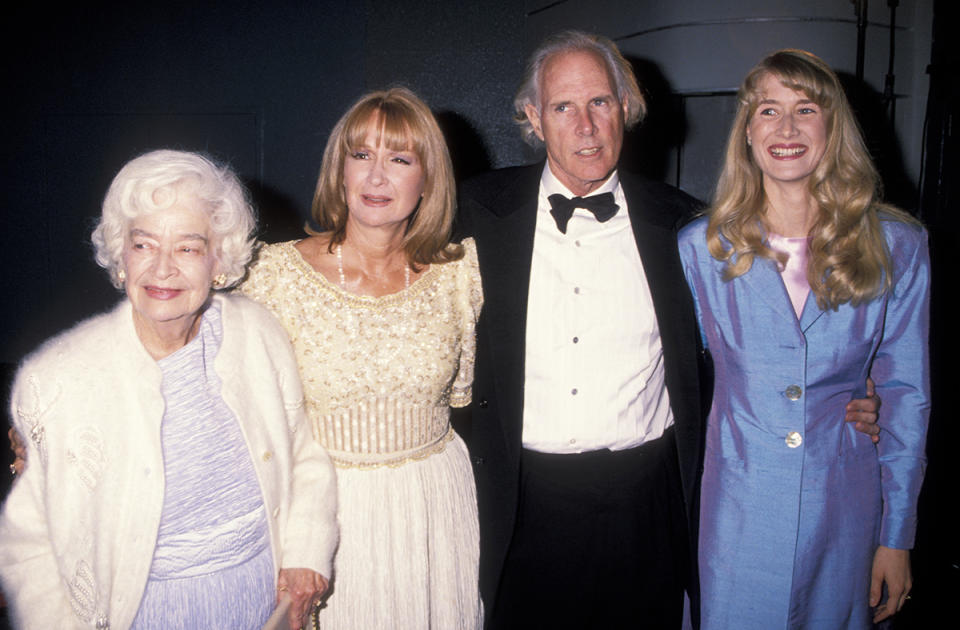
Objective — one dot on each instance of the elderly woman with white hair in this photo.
(172, 479)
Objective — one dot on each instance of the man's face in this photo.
(580, 120)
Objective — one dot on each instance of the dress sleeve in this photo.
(258, 282)
(470, 301)
(902, 375)
(267, 283)
(28, 563)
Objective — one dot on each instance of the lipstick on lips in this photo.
(376, 200)
(787, 151)
(161, 293)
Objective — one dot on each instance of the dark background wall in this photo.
(261, 84)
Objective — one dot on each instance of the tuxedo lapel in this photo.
(505, 233)
(654, 230)
(654, 214)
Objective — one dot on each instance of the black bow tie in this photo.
(602, 206)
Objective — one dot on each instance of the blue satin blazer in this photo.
(794, 500)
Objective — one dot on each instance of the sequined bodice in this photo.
(379, 374)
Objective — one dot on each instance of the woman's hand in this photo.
(19, 451)
(890, 566)
(305, 588)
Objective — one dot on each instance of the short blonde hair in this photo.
(848, 260)
(153, 182)
(402, 122)
(619, 69)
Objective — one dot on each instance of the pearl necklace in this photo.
(343, 279)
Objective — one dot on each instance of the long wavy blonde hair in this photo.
(849, 261)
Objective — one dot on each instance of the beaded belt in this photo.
(382, 432)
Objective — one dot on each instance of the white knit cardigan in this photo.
(78, 530)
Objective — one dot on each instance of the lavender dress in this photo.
(212, 566)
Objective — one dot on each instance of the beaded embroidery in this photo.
(376, 370)
(31, 414)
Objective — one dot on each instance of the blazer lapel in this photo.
(765, 282)
(811, 313)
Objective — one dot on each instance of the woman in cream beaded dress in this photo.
(381, 308)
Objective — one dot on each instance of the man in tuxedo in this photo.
(587, 416)
(586, 427)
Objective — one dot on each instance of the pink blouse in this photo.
(794, 273)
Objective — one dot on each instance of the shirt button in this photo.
(793, 392)
(267, 456)
(576, 340)
(576, 290)
(794, 439)
(574, 391)
(577, 243)
(572, 441)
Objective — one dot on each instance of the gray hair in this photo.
(152, 182)
(624, 81)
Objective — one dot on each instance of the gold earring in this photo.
(220, 281)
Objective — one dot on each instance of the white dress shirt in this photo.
(594, 375)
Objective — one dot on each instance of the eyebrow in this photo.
(604, 97)
(190, 236)
(767, 101)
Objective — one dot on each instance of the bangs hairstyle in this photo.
(155, 182)
(848, 259)
(619, 70)
(401, 122)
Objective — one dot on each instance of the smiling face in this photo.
(382, 186)
(580, 119)
(787, 133)
(169, 262)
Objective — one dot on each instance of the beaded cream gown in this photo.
(379, 376)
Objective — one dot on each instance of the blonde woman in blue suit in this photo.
(805, 284)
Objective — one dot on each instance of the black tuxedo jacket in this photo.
(499, 209)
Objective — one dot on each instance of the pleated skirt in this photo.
(409, 546)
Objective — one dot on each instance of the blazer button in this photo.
(794, 439)
(793, 392)
(483, 404)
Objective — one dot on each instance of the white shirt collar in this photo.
(550, 185)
